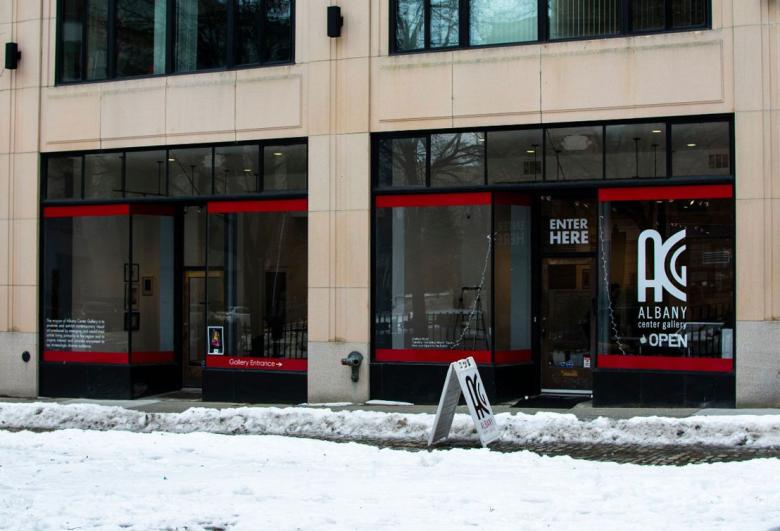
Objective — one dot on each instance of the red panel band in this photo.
(661, 193)
(271, 205)
(152, 357)
(665, 363)
(509, 357)
(86, 210)
(431, 355)
(152, 210)
(107, 358)
(511, 198)
(432, 200)
(258, 364)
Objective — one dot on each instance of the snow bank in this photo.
(752, 431)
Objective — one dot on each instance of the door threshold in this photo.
(567, 392)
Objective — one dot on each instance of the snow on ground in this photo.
(757, 431)
(74, 479)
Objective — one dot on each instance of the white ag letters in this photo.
(664, 262)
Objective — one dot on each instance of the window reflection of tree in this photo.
(457, 159)
(410, 27)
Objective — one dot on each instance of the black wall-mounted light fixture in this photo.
(335, 21)
(12, 55)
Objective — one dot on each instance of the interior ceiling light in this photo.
(278, 154)
(531, 151)
(691, 145)
(248, 170)
(657, 131)
(171, 159)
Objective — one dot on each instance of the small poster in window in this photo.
(216, 340)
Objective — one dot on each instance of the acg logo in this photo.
(664, 264)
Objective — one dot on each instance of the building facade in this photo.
(217, 194)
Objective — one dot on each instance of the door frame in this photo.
(538, 257)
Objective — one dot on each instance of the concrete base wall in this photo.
(758, 363)
(329, 380)
(18, 378)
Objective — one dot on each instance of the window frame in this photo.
(231, 44)
(464, 21)
(542, 182)
(125, 198)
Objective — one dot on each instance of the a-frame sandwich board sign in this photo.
(463, 377)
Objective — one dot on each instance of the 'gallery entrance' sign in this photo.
(466, 380)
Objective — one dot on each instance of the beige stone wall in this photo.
(20, 21)
(340, 90)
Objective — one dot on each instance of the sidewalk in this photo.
(180, 401)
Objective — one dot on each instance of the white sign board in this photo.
(463, 377)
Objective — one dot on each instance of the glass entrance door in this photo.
(568, 323)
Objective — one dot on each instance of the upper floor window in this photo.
(109, 39)
(436, 24)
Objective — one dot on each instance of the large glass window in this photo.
(63, 178)
(105, 302)
(201, 35)
(140, 37)
(457, 159)
(701, 149)
(410, 25)
(145, 173)
(259, 297)
(504, 21)
(234, 169)
(502, 156)
(669, 262)
(574, 153)
(190, 171)
(443, 24)
(583, 18)
(285, 167)
(71, 43)
(636, 151)
(107, 39)
(514, 156)
(103, 175)
(402, 161)
(433, 278)
(84, 265)
(97, 40)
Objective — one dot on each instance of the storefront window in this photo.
(285, 167)
(457, 159)
(701, 149)
(514, 156)
(85, 268)
(433, 277)
(103, 175)
(667, 257)
(236, 170)
(636, 151)
(514, 287)
(257, 298)
(150, 296)
(574, 153)
(63, 178)
(502, 22)
(145, 173)
(402, 162)
(189, 171)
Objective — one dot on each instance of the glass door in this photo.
(568, 324)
